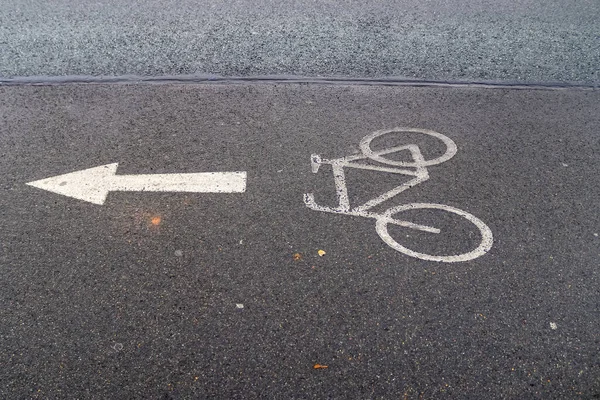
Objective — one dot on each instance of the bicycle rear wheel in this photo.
(365, 147)
(381, 226)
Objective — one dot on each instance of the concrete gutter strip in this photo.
(212, 79)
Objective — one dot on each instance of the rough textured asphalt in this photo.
(484, 40)
(138, 298)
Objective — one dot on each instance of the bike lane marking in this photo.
(420, 174)
(94, 184)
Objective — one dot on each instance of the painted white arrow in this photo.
(93, 184)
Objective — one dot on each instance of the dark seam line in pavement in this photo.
(201, 79)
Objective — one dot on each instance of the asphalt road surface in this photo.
(366, 232)
(255, 295)
(450, 40)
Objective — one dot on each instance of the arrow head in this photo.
(90, 185)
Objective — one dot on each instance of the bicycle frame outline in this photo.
(338, 164)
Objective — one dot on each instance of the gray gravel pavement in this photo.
(178, 295)
(485, 40)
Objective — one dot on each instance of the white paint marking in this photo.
(420, 174)
(486, 234)
(94, 184)
(365, 147)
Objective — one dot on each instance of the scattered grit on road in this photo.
(253, 294)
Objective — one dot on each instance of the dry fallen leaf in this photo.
(319, 366)
(321, 252)
(297, 257)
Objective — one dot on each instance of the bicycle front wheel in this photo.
(386, 218)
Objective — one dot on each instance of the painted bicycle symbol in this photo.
(417, 169)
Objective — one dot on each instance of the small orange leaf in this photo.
(319, 366)
(297, 257)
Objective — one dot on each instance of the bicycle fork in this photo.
(339, 177)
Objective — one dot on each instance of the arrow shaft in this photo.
(203, 182)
